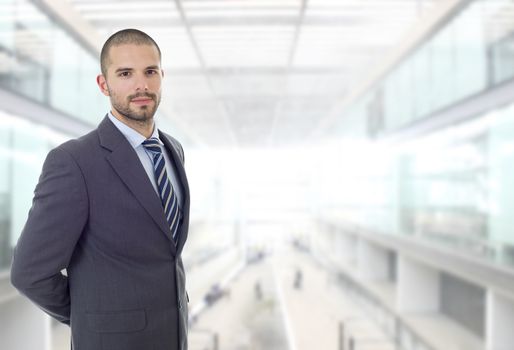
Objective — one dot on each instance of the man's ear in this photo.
(102, 84)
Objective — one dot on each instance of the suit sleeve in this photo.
(56, 220)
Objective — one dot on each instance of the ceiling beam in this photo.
(221, 106)
(292, 52)
(256, 70)
(66, 14)
(231, 21)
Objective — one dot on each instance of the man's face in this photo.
(133, 81)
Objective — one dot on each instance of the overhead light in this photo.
(383, 13)
(242, 13)
(257, 29)
(132, 15)
(364, 4)
(190, 4)
(127, 6)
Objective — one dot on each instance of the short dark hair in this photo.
(125, 36)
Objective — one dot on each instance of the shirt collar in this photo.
(133, 137)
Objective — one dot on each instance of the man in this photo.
(112, 208)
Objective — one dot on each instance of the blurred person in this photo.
(112, 209)
(257, 289)
(298, 279)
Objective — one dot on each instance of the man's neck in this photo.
(144, 127)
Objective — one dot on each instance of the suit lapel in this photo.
(179, 166)
(127, 166)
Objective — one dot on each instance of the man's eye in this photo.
(124, 74)
(151, 72)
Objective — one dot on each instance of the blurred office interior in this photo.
(351, 163)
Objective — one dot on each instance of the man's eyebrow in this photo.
(123, 69)
(152, 67)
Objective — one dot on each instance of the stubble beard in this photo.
(142, 116)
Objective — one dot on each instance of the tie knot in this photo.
(152, 144)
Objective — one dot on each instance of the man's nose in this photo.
(141, 83)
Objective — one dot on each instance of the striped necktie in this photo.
(166, 192)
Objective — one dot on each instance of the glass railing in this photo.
(40, 60)
(450, 188)
(469, 54)
(23, 148)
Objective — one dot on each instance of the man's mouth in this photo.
(141, 100)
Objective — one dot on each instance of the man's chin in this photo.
(140, 117)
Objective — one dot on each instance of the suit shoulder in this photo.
(81, 145)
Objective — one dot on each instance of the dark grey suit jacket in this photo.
(96, 214)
